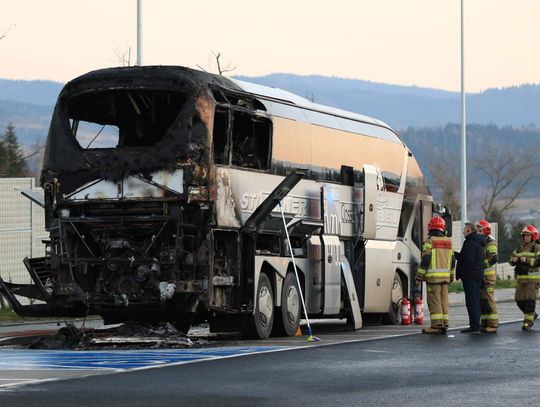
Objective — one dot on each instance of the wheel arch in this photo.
(404, 280)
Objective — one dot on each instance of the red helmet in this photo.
(531, 230)
(437, 223)
(486, 227)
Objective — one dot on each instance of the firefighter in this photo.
(527, 272)
(489, 319)
(437, 270)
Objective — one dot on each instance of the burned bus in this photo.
(161, 192)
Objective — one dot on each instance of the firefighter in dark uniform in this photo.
(527, 272)
(489, 319)
(437, 270)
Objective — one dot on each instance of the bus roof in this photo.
(282, 103)
(286, 96)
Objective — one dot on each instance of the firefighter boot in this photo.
(432, 331)
(488, 330)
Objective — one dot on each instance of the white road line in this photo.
(376, 351)
(22, 382)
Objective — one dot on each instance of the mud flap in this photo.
(351, 291)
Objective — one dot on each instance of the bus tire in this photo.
(396, 294)
(288, 320)
(260, 323)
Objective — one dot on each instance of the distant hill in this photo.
(32, 92)
(404, 106)
(29, 104)
(426, 118)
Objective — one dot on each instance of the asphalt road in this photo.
(460, 369)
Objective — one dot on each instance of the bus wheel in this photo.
(394, 317)
(260, 323)
(287, 323)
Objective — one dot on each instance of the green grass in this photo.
(7, 315)
(456, 286)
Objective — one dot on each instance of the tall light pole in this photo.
(139, 32)
(463, 133)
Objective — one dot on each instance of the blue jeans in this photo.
(472, 300)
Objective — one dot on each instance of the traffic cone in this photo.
(298, 331)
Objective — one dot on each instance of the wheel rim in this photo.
(266, 305)
(293, 304)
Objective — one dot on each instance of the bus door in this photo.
(371, 192)
(365, 199)
(331, 249)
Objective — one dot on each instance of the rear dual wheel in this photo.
(287, 322)
(265, 321)
(261, 322)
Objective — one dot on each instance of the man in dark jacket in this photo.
(470, 269)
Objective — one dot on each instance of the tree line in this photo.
(13, 162)
(501, 170)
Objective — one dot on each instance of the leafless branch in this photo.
(123, 57)
(509, 172)
(5, 33)
(445, 172)
(26, 157)
(221, 70)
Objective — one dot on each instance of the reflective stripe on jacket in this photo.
(437, 260)
(490, 261)
(529, 269)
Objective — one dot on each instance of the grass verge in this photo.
(456, 286)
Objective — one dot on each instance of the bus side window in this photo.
(406, 213)
(417, 228)
(427, 213)
(251, 141)
(219, 135)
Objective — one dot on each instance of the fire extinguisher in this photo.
(406, 318)
(418, 311)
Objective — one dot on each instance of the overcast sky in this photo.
(409, 42)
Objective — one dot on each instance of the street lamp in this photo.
(139, 32)
(463, 133)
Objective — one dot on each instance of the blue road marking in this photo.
(11, 359)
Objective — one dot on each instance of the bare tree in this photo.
(508, 173)
(124, 57)
(34, 158)
(221, 70)
(445, 173)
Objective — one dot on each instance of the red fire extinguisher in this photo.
(418, 311)
(406, 318)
